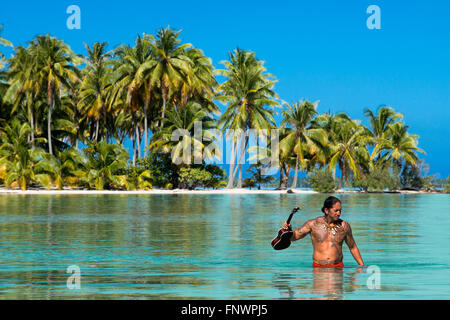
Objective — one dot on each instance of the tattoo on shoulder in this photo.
(305, 227)
(347, 227)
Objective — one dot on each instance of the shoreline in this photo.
(4, 191)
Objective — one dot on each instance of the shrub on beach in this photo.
(161, 172)
(217, 176)
(105, 166)
(164, 173)
(321, 181)
(206, 176)
(379, 179)
(191, 178)
(249, 183)
(138, 178)
(411, 177)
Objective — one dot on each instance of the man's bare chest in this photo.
(323, 233)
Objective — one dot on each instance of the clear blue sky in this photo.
(318, 50)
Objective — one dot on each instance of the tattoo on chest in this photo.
(322, 232)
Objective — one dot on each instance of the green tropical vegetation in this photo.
(65, 117)
(302, 140)
(258, 178)
(248, 91)
(447, 186)
(321, 180)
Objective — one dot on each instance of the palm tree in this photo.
(247, 90)
(143, 79)
(401, 145)
(181, 123)
(18, 156)
(121, 125)
(258, 177)
(379, 127)
(95, 87)
(347, 144)
(173, 67)
(349, 150)
(139, 179)
(5, 108)
(73, 122)
(302, 139)
(67, 168)
(178, 71)
(105, 164)
(274, 155)
(202, 81)
(130, 89)
(55, 66)
(23, 89)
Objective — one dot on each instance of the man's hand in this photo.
(286, 226)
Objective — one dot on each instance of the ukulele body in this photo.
(283, 239)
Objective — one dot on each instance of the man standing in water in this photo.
(327, 234)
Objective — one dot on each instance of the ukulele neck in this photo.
(290, 217)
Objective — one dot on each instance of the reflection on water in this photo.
(216, 247)
(327, 283)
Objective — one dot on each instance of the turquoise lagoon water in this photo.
(217, 247)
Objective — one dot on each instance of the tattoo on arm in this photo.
(349, 236)
(352, 246)
(302, 231)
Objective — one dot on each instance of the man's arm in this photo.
(352, 245)
(300, 232)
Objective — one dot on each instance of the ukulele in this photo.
(283, 239)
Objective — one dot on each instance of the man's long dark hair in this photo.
(329, 203)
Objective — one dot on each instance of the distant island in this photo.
(64, 118)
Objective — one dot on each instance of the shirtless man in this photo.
(327, 234)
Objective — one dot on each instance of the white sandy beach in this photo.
(4, 191)
(153, 191)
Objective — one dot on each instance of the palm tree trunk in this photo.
(97, 130)
(134, 149)
(49, 129)
(32, 130)
(138, 139)
(285, 179)
(164, 96)
(281, 177)
(294, 183)
(78, 131)
(258, 170)
(91, 131)
(105, 127)
(345, 175)
(231, 171)
(244, 142)
(133, 137)
(145, 126)
(163, 112)
(239, 182)
(141, 136)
